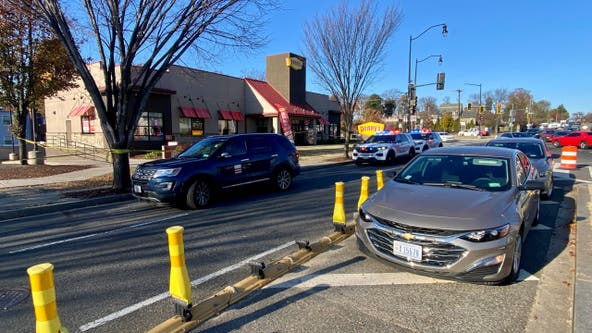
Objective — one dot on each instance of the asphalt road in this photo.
(111, 267)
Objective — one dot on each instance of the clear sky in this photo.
(542, 46)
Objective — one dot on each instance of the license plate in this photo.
(410, 251)
(137, 189)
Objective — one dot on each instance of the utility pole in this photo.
(459, 106)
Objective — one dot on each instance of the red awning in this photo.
(188, 112)
(236, 115)
(202, 113)
(225, 114)
(82, 110)
(324, 121)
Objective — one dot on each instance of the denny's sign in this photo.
(370, 128)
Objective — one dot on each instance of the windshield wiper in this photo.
(456, 185)
(406, 181)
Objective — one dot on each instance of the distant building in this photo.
(190, 104)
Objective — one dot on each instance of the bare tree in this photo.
(33, 65)
(345, 50)
(137, 42)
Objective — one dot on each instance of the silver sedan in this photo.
(455, 212)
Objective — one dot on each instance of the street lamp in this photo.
(410, 86)
(424, 59)
(479, 108)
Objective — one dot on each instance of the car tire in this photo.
(358, 162)
(390, 158)
(426, 147)
(282, 179)
(537, 216)
(516, 258)
(583, 145)
(411, 153)
(556, 144)
(199, 194)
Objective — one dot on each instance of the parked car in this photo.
(547, 134)
(217, 163)
(446, 137)
(577, 138)
(538, 153)
(470, 132)
(433, 139)
(384, 148)
(420, 142)
(514, 135)
(487, 201)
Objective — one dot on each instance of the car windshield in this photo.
(381, 139)
(204, 148)
(532, 150)
(417, 136)
(467, 172)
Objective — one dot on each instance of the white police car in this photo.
(384, 147)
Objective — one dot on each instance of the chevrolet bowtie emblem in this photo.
(407, 236)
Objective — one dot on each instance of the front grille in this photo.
(434, 253)
(415, 230)
(143, 173)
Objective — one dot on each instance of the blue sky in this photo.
(542, 46)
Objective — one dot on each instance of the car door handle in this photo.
(245, 160)
(274, 155)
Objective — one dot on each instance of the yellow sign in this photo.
(294, 63)
(370, 128)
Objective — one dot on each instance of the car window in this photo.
(474, 172)
(204, 148)
(522, 167)
(259, 145)
(235, 147)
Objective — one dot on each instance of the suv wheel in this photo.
(199, 194)
(282, 180)
(390, 158)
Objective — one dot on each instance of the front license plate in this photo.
(407, 250)
(137, 189)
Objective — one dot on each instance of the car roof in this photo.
(517, 139)
(472, 151)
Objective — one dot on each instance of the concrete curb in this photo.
(583, 277)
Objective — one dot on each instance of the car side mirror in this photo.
(532, 185)
(224, 155)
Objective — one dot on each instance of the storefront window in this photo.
(227, 127)
(88, 124)
(191, 126)
(149, 127)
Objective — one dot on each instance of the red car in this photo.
(576, 138)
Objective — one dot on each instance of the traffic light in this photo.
(440, 81)
(469, 106)
(413, 109)
(498, 108)
(481, 109)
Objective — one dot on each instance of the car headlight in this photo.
(382, 148)
(364, 216)
(166, 172)
(487, 234)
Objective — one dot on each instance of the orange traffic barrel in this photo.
(569, 157)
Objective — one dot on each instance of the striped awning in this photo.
(82, 110)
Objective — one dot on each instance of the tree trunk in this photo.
(23, 152)
(121, 172)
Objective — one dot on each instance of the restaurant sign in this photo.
(369, 128)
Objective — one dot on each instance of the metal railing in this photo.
(75, 148)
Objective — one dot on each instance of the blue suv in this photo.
(217, 163)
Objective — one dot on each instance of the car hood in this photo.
(171, 162)
(440, 207)
(372, 145)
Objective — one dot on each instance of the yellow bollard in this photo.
(379, 181)
(44, 299)
(179, 284)
(339, 210)
(363, 191)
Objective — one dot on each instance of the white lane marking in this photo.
(367, 279)
(68, 240)
(159, 297)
